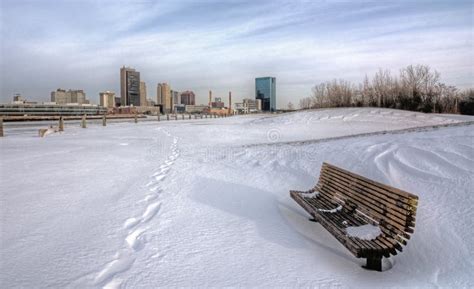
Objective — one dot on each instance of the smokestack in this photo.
(230, 102)
(210, 97)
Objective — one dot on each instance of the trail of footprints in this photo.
(137, 226)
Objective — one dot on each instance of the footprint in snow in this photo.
(151, 211)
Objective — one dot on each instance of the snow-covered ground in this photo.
(206, 202)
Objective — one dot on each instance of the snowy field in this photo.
(206, 202)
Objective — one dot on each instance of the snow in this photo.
(364, 232)
(206, 202)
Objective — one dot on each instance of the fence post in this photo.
(167, 117)
(104, 120)
(61, 123)
(136, 118)
(158, 116)
(1, 126)
(189, 116)
(83, 122)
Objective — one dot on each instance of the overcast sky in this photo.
(224, 45)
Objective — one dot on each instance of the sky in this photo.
(223, 45)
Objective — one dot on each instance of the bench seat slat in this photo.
(405, 221)
(337, 218)
(374, 212)
(358, 220)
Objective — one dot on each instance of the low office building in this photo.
(197, 108)
(217, 103)
(61, 96)
(248, 106)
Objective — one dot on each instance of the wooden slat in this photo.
(392, 236)
(339, 218)
(408, 197)
(369, 203)
(393, 226)
(372, 199)
(388, 196)
(334, 230)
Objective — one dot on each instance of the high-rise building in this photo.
(175, 97)
(159, 99)
(164, 97)
(265, 90)
(143, 99)
(107, 99)
(129, 86)
(188, 98)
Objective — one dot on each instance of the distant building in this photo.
(118, 100)
(175, 97)
(197, 108)
(164, 97)
(188, 98)
(61, 96)
(107, 99)
(18, 98)
(179, 108)
(248, 106)
(217, 103)
(50, 109)
(265, 90)
(143, 100)
(150, 102)
(129, 87)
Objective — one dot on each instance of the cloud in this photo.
(223, 46)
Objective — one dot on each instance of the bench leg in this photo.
(313, 219)
(374, 263)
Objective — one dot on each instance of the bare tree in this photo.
(417, 88)
(305, 103)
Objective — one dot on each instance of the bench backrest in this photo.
(392, 209)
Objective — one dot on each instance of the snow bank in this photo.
(189, 203)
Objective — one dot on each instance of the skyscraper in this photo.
(265, 90)
(175, 97)
(188, 98)
(143, 99)
(129, 86)
(164, 96)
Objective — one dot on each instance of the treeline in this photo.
(417, 88)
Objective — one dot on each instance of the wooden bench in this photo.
(342, 199)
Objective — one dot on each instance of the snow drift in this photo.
(206, 203)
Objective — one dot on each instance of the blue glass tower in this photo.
(266, 92)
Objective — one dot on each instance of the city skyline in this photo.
(301, 44)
